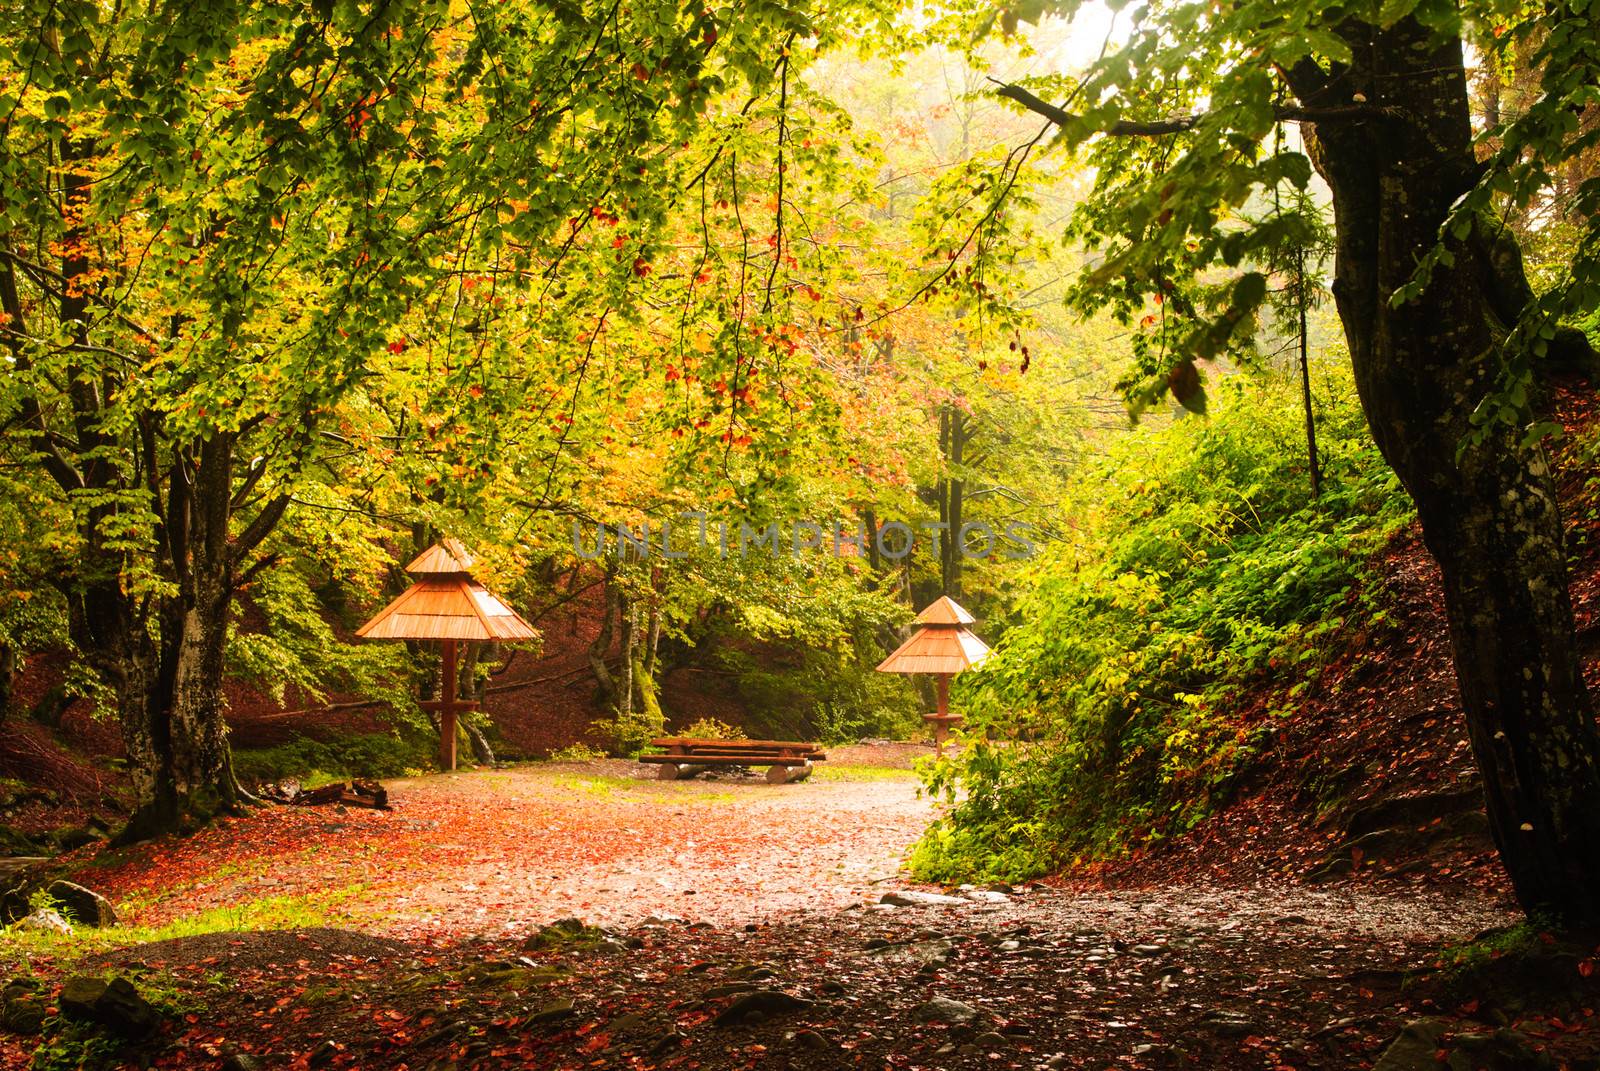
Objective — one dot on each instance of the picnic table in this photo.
(785, 760)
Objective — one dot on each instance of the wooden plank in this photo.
(667, 741)
(747, 757)
(698, 760)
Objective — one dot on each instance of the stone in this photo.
(115, 1005)
(1228, 1024)
(832, 988)
(987, 896)
(516, 978)
(730, 989)
(810, 1039)
(919, 954)
(242, 1061)
(762, 1002)
(554, 1012)
(1421, 1043)
(323, 1054)
(81, 905)
(627, 1023)
(1415, 1047)
(991, 1040)
(43, 920)
(1148, 950)
(917, 898)
(23, 1013)
(945, 1010)
(670, 1042)
(562, 931)
(71, 838)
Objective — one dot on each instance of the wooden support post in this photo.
(447, 707)
(941, 731)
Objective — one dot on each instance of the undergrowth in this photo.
(319, 762)
(1113, 714)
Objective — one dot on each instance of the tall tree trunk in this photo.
(625, 616)
(1303, 285)
(601, 647)
(1488, 507)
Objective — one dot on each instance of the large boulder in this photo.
(115, 1005)
(81, 905)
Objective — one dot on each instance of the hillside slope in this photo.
(1371, 774)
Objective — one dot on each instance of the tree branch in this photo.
(1178, 124)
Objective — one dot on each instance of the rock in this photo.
(561, 932)
(919, 953)
(554, 1012)
(22, 1010)
(1227, 1024)
(987, 896)
(71, 838)
(833, 988)
(43, 921)
(242, 1061)
(753, 972)
(945, 1010)
(1422, 1042)
(1414, 1048)
(670, 1042)
(115, 1005)
(810, 1039)
(82, 905)
(762, 1002)
(323, 1054)
(1148, 950)
(516, 978)
(627, 1023)
(729, 989)
(991, 1040)
(917, 898)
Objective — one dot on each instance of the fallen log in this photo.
(358, 793)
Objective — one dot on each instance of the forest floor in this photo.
(732, 924)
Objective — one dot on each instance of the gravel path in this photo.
(490, 852)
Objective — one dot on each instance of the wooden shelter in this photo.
(446, 605)
(942, 645)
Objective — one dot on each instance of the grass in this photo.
(632, 790)
(19, 950)
(832, 772)
(1474, 955)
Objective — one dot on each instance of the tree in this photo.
(1443, 330)
(218, 222)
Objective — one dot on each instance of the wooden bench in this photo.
(785, 760)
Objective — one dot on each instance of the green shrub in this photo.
(370, 755)
(579, 752)
(712, 729)
(1200, 564)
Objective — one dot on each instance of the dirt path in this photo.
(491, 852)
(765, 890)
(1256, 979)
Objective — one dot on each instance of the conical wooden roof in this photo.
(446, 604)
(445, 556)
(945, 611)
(941, 643)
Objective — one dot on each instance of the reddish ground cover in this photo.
(488, 852)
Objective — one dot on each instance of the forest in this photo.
(1129, 472)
